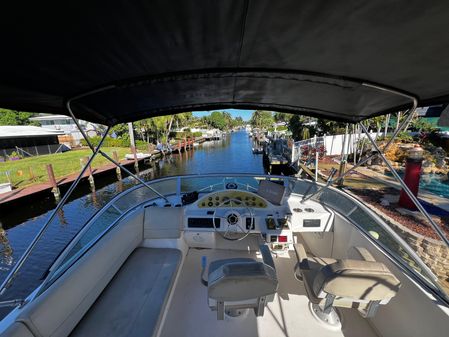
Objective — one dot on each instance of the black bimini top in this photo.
(158, 57)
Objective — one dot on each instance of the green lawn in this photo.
(63, 164)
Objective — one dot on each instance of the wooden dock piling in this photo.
(32, 175)
(53, 183)
(136, 162)
(91, 176)
(117, 169)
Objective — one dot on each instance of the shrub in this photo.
(14, 156)
(116, 142)
(184, 134)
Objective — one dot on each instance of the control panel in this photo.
(232, 199)
(309, 216)
(277, 232)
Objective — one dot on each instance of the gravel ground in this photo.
(416, 224)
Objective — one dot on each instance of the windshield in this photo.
(174, 187)
(171, 187)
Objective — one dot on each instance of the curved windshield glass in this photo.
(173, 188)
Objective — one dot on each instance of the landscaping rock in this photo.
(384, 202)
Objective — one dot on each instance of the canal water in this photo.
(233, 154)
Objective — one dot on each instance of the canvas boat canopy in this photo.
(158, 57)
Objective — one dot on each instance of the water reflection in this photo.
(119, 186)
(6, 251)
(61, 217)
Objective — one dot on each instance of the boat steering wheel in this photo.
(233, 219)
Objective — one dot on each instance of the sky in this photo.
(245, 114)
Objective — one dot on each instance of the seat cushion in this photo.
(357, 279)
(17, 329)
(240, 279)
(214, 265)
(348, 280)
(132, 303)
(314, 264)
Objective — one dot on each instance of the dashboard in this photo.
(248, 212)
(232, 199)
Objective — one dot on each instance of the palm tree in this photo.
(305, 133)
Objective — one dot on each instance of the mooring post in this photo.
(52, 180)
(32, 176)
(91, 176)
(134, 152)
(117, 169)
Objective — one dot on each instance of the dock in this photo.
(183, 145)
(19, 196)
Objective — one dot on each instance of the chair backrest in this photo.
(357, 280)
(241, 283)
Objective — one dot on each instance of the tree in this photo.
(159, 128)
(238, 121)
(262, 119)
(120, 131)
(218, 120)
(305, 133)
(13, 117)
(420, 124)
(330, 127)
(300, 127)
(282, 117)
(376, 123)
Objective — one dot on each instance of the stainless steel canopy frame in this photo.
(406, 189)
(13, 273)
(95, 150)
(86, 138)
(403, 126)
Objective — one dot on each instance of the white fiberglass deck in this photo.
(288, 315)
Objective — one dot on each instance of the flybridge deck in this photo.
(343, 61)
(138, 263)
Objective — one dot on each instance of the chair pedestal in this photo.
(328, 318)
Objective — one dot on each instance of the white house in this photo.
(68, 126)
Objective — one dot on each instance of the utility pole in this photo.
(343, 156)
(131, 134)
(387, 123)
(398, 120)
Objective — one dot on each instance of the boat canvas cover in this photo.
(167, 56)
